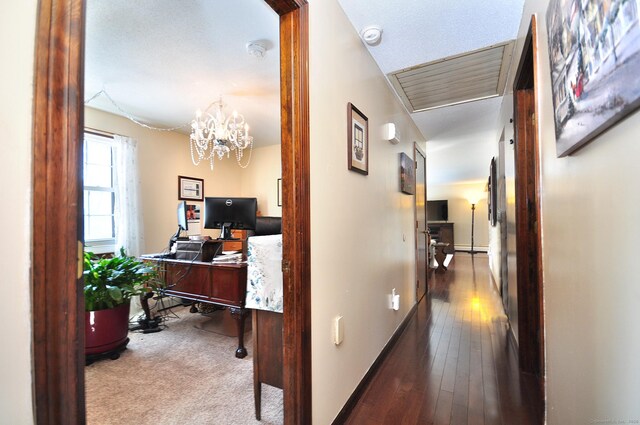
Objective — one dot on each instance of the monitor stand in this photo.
(225, 233)
(176, 237)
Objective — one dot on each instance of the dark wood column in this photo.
(58, 309)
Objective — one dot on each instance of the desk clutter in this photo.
(198, 250)
(228, 257)
(206, 251)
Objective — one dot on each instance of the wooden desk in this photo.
(267, 353)
(443, 232)
(221, 284)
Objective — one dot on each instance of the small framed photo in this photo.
(193, 212)
(279, 188)
(358, 140)
(190, 189)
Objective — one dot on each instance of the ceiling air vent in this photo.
(456, 79)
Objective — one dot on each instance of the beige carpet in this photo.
(182, 375)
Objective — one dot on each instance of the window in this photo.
(99, 193)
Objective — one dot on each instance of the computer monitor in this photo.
(182, 223)
(230, 213)
(182, 215)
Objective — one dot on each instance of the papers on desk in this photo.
(235, 257)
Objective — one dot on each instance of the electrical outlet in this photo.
(395, 300)
(338, 330)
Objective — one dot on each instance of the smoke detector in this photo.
(256, 49)
(371, 35)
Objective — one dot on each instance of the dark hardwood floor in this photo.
(454, 363)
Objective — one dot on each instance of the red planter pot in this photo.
(106, 330)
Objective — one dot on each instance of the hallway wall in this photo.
(362, 232)
(17, 37)
(591, 290)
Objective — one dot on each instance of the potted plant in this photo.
(109, 285)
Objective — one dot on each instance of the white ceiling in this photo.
(160, 60)
(459, 138)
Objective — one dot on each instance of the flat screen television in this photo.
(230, 213)
(438, 210)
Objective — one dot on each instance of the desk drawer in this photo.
(229, 285)
(194, 281)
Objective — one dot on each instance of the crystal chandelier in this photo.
(216, 135)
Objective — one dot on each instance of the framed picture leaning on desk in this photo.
(190, 189)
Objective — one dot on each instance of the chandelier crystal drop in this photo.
(217, 135)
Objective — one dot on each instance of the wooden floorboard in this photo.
(454, 363)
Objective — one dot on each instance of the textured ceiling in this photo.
(161, 60)
(421, 31)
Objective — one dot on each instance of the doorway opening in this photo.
(422, 232)
(528, 229)
(58, 306)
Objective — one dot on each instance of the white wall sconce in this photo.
(390, 133)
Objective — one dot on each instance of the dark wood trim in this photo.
(296, 213)
(353, 400)
(528, 227)
(416, 150)
(57, 302)
(57, 298)
(100, 133)
(282, 7)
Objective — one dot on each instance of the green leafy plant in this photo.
(109, 282)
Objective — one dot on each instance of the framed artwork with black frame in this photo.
(190, 189)
(358, 140)
(493, 193)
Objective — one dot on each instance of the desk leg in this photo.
(240, 314)
(144, 303)
(440, 257)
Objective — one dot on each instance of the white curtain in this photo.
(128, 211)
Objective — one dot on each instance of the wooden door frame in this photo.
(56, 284)
(416, 150)
(528, 227)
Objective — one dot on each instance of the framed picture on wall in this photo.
(493, 193)
(190, 188)
(594, 57)
(407, 174)
(193, 212)
(358, 140)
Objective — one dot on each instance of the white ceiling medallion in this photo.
(371, 35)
